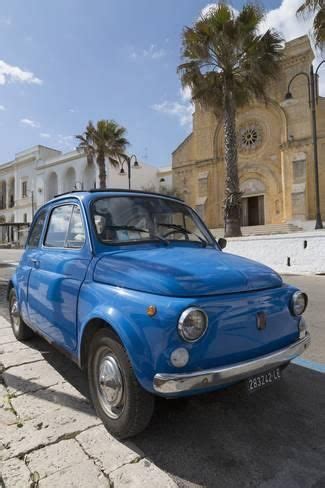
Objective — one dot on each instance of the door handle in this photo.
(35, 263)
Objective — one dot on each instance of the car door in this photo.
(57, 275)
(30, 255)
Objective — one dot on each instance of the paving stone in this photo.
(7, 335)
(44, 430)
(3, 394)
(15, 474)
(61, 397)
(4, 324)
(51, 459)
(106, 451)
(143, 474)
(31, 377)
(85, 475)
(13, 347)
(7, 416)
(20, 357)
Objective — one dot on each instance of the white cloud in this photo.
(66, 142)
(12, 74)
(181, 109)
(45, 135)
(285, 20)
(30, 123)
(208, 9)
(2, 108)
(153, 52)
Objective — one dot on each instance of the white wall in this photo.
(275, 250)
(35, 165)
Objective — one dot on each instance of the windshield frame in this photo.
(210, 240)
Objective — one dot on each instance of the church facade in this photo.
(275, 153)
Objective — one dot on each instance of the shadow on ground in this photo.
(273, 438)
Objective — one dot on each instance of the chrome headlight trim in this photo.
(183, 317)
(297, 295)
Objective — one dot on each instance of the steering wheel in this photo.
(177, 231)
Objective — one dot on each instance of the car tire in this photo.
(123, 405)
(21, 331)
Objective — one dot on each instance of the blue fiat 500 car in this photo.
(135, 289)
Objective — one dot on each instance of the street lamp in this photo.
(128, 161)
(312, 78)
(80, 184)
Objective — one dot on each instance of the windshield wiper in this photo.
(138, 229)
(182, 229)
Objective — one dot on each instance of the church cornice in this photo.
(296, 143)
(182, 143)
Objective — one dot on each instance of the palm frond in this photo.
(223, 52)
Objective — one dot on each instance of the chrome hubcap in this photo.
(14, 314)
(110, 386)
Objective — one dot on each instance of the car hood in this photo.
(183, 271)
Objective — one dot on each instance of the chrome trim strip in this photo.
(199, 380)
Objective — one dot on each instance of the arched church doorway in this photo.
(252, 207)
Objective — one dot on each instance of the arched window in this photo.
(69, 179)
(52, 185)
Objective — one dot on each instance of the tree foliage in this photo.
(316, 7)
(227, 62)
(105, 140)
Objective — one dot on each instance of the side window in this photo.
(76, 232)
(36, 231)
(58, 226)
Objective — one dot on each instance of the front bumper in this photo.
(225, 375)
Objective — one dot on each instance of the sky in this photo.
(65, 62)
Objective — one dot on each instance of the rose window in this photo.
(250, 137)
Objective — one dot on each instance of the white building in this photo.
(39, 173)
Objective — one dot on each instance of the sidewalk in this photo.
(50, 435)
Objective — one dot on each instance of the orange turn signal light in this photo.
(151, 310)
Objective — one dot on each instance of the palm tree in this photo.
(227, 62)
(318, 8)
(105, 140)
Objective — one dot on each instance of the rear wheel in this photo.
(123, 405)
(21, 331)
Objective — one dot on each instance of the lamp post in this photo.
(312, 81)
(128, 161)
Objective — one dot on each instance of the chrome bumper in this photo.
(224, 375)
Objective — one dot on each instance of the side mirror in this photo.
(222, 242)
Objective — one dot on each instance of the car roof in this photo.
(83, 195)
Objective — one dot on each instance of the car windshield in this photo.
(141, 218)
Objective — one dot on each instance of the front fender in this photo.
(143, 337)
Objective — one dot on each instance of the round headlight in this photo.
(192, 324)
(299, 302)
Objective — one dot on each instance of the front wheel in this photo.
(123, 405)
(21, 331)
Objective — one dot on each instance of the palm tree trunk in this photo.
(102, 170)
(232, 200)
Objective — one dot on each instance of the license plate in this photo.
(264, 379)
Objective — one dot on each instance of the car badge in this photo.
(261, 320)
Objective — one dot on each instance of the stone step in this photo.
(258, 230)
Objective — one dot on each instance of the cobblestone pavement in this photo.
(50, 435)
